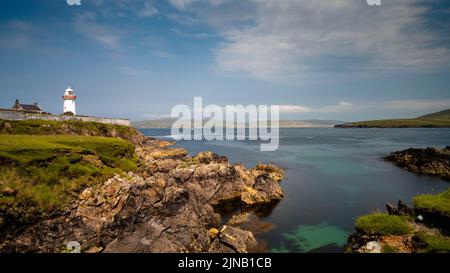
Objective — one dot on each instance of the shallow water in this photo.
(332, 177)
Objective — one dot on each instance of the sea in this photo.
(333, 176)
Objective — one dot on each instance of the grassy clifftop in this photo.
(45, 164)
(41, 174)
(73, 127)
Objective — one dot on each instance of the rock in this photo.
(94, 249)
(175, 194)
(233, 239)
(264, 191)
(391, 209)
(238, 219)
(169, 205)
(7, 191)
(430, 161)
(371, 247)
(401, 210)
(208, 157)
(213, 233)
(420, 217)
(93, 159)
(274, 171)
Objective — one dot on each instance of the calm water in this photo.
(332, 177)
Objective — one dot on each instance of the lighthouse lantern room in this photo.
(69, 101)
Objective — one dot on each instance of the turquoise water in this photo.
(332, 177)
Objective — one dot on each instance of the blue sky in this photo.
(322, 59)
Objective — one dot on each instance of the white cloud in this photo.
(163, 54)
(148, 9)
(181, 4)
(298, 38)
(132, 71)
(105, 35)
(348, 107)
(340, 107)
(286, 108)
(21, 35)
(126, 8)
(418, 105)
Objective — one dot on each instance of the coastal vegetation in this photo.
(382, 224)
(88, 182)
(432, 243)
(422, 229)
(434, 120)
(439, 203)
(41, 174)
(71, 127)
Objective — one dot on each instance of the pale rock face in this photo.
(372, 247)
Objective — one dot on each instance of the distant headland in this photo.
(439, 119)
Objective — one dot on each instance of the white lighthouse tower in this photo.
(69, 101)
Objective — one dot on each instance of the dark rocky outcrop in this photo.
(429, 161)
(170, 204)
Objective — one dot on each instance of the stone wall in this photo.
(8, 114)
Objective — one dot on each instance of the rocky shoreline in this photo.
(428, 161)
(172, 203)
(403, 229)
(423, 228)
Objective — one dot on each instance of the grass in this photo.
(434, 203)
(40, 174)
(389, 249)
(437, 119)
(71, 127)
(382, 224)
(432, 243)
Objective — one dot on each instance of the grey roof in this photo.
(30, 107)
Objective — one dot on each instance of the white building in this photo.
(69, 101)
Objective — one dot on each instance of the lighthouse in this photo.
(69, 101)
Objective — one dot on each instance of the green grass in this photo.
(437, 119)
(39, 174)
(382, 224)
(434, 203)
(389, 249)
(71, 127)
(432, 243)
(445, 114)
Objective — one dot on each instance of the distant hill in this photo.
(445, 114)
(313, 123)
(155, 123)
(434, 120)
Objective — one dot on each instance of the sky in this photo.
(317, 59)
